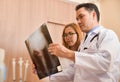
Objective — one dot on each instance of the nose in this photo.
(79, 21)
(67, 39)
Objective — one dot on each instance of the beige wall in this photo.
(110, 14)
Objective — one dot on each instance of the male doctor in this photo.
(97, 59)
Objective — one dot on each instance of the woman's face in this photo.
(70, 36)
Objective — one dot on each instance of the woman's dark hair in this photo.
(89, 7)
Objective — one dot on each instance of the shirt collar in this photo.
(94, 30)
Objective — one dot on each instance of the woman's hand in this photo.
(33, 69)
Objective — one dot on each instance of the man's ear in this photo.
(94, 14)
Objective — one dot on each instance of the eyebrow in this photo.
(79, 15)
(70, 32)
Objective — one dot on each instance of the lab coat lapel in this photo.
(87, 44)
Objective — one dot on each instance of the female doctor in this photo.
(97, 59)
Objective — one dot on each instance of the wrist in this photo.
(71, 55)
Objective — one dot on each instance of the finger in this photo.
(33, 69)
(51, 48)
(51, 51)
(52, 45)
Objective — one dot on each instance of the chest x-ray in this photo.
(37, 45)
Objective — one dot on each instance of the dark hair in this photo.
(90, 7)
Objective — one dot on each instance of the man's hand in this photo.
(61, 51)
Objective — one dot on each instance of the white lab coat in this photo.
(97, 61)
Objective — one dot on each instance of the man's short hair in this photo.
(89, 7)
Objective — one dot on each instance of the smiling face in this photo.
(70, 36)
(85, 19)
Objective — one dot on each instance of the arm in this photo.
(66, 75)
(102, 59)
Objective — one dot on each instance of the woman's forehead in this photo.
(69, 28)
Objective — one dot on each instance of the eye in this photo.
(80, 17)
(77, 19)
(70, 33)
(64, 35)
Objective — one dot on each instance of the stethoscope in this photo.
(95, 36)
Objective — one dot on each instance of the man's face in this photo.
(85, 19)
